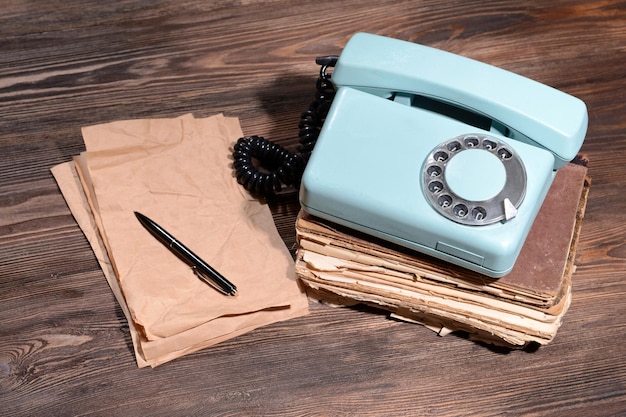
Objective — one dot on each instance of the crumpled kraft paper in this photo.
(177, 172)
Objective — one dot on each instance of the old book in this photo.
(527, 305)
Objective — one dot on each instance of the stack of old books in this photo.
(344, 267)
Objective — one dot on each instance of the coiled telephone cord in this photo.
(275, 166)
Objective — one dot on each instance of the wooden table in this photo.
(64, 342)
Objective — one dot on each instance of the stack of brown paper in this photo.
(177, 172)
(527, 305)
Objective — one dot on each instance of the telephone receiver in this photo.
(439, 153)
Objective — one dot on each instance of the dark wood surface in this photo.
(64, 343)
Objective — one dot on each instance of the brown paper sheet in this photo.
(177, 172)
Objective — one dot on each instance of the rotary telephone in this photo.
(438, 153)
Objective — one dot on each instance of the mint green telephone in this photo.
(439, 153)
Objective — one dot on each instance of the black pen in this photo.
(203, 270)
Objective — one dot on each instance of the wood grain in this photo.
(64, 343)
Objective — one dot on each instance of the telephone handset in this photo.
(439, 153)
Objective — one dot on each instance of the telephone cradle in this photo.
(438, 153)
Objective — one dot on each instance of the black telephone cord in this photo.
(281, 166)
(263, 167)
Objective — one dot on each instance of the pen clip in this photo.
(209, 281)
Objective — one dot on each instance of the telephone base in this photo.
(368, 173)
(442, 250)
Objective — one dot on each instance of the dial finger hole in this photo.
(454, 146)
(444, 201)
(489, 144)
(434, 171)
(440, 156)
(479, 213)
(471, 141)
(504, 153)
(435, 186)
(460, 210)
